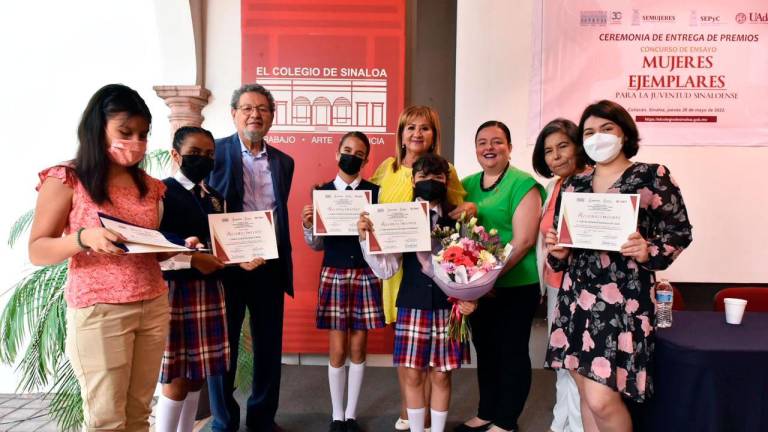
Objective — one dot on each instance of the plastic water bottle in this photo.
(664, 296)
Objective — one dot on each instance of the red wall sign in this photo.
(333, 67)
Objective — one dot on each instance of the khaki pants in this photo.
(115, 351)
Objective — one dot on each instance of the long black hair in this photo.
(91, 162)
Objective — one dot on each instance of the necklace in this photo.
(496, 183)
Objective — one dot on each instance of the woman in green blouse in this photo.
(508, 200)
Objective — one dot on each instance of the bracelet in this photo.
(80, 241)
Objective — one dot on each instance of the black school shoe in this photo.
(352, 426)
(464, 428)
(337, 426)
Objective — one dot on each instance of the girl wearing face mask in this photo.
(349, 300)
(603, 333)
(117, 307)
(423, 351)
(197, 345)
(558, 153)
(509, 200)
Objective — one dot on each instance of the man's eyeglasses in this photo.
(247, 110)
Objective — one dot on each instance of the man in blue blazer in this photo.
(252, 175)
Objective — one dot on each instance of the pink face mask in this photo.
(126, 152)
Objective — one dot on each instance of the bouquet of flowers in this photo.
(467, 266)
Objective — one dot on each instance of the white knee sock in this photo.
(187, 420)
(167, 413)
(355, 381)
(336, 377)
(416, 419)
(438, 420)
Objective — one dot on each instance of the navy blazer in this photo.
(227, 178)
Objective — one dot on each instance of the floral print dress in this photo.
(603, 324)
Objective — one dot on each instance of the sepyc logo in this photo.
(709, 19)
(593, 18)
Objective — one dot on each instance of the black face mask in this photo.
(196, 167)
(430, 190)
(350, 164)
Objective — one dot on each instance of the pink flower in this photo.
(646, 196)
(632, 265)
(571, 362)
(621, 378)
(653, 250)
(656, 201)
(586, 341)
(558, 339)
(601, 367)
(569, 189)
(631, 306)
(572, 307)
(555, 313)
(661, 170)
(586, 300)
(645, 324)
(610, 293)
(605, 260)
(567, 282)
(640, 381)
(625, 342)
(669, 249)
(557, 364)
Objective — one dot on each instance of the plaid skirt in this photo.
(422, 342)
(349, 299)
(197, 346)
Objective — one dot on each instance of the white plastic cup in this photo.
(734, 310)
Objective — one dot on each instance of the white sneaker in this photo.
(428, 430)
(402, 424)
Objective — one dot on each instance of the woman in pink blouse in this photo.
(117, 307)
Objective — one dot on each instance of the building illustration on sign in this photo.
(328, 104)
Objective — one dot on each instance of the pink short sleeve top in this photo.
(96, 278)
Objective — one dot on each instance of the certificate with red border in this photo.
(600, 221)
(241, 237)
(335, 212)
(399, 227)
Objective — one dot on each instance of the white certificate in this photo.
(399, 227)
(600, 221)
(140, 239)
(336, 212)
(241, 237)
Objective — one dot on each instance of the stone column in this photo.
(186, 103)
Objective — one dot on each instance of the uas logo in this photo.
(741, 18)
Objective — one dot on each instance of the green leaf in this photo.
(20, 227)
(244, 374)
(156, 162)
(66, 405)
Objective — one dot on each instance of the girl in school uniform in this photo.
(423, 350)
(197, 345)
(349, 300)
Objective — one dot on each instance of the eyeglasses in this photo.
(247, 110)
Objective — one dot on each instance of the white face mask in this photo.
(602, 147)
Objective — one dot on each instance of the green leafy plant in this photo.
(33, 326)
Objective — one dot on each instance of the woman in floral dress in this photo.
(603, 326)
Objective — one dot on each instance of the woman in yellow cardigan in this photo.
(418, 133)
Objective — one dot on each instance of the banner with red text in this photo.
(333, 66)
(689, 72)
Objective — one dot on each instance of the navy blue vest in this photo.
(186, 215)
(344, 251)
(417, 290)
